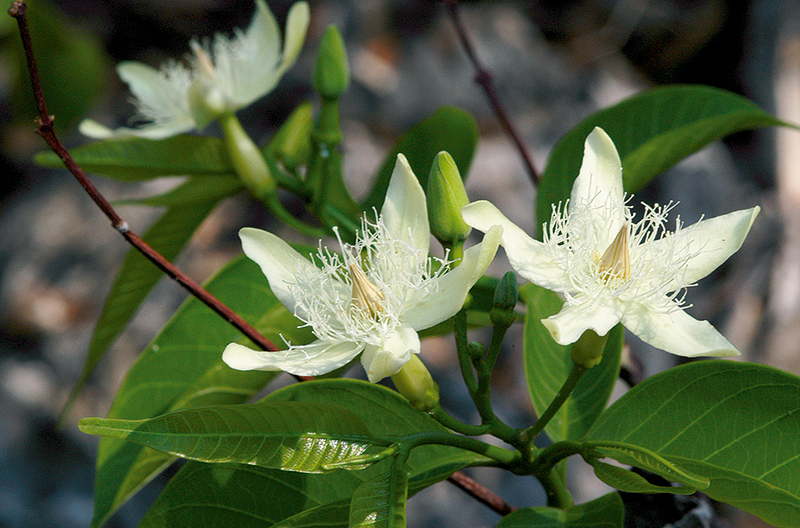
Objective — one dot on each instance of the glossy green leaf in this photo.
(316, 500)
(652, 131)
(450, 129)
(132, 158)
(604, 512)
(548, 364)
(736, 424)
(381, 501)
(183, 368)
(292, 436)
(138, 275)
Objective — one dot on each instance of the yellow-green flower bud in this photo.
(247, 160)
(416, 384)
(505, 299)
(331, 72)
(446, 197)
(587, 351)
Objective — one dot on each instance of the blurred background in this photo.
(554, 62)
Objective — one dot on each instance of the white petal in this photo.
(599, 181)
(296, 28)
(310, 360)
(161, 95)
(248, 64)
(404, 211)
(573, 320)
(389, 358)
(452, 287)
(713, 241)
(530, 258)
(93, 129)
(278, 260)
(677, 333)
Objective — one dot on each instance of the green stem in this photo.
(501, 455)
(283, 214)
(528, 435)
(462, 350)
(441, 416)
(558, 496)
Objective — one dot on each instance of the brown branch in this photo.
(481, 493)
(484, 79)
(45, 130)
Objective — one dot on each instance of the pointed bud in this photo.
(332, 72)
(505, 299)
(446, 197)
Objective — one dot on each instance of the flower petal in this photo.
(573, 320)
(278, 260)
(452, 287)
(389, 358)
(678, 333)
(711, 241)
(296, 28)
(599, 181)
(247, 65)
(161, 96)
(530, 258)
(314, 359)
(404, 211)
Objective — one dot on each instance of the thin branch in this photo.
(484, 79)
(45, 129)
(481, 493)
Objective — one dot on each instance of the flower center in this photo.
(615, 264)
(366, 296)
(204, 62)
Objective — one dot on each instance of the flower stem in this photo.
(528, 435)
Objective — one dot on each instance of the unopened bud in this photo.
(332, 72)
(505, 299)
(587, 351)
(446, 197)
(416, 384)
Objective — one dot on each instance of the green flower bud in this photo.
(446, 197)
(505, 299)
(247, 160)
(476, 350)
(415, 383)
(587, 351)
(332, 72)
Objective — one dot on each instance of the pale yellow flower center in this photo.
(204, 62)
(366, 296)
(615, 264)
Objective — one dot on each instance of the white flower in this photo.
(370, 300)
(610, 267)
(221, 77)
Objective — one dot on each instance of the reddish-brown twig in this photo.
(484, 79)
(481, 493)
(45, 129)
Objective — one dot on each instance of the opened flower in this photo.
(221, 77)
(370, 300)
(611, 267)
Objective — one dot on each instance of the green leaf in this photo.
(736, 424)
(652, 131)
(192, 191)
(626, 480)
(183, 368)
(133, 159)
(292, 436)
(450, 129)
(548, 364)
(138, 275)
(262, 497)
(604, 512)
(381, 501)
